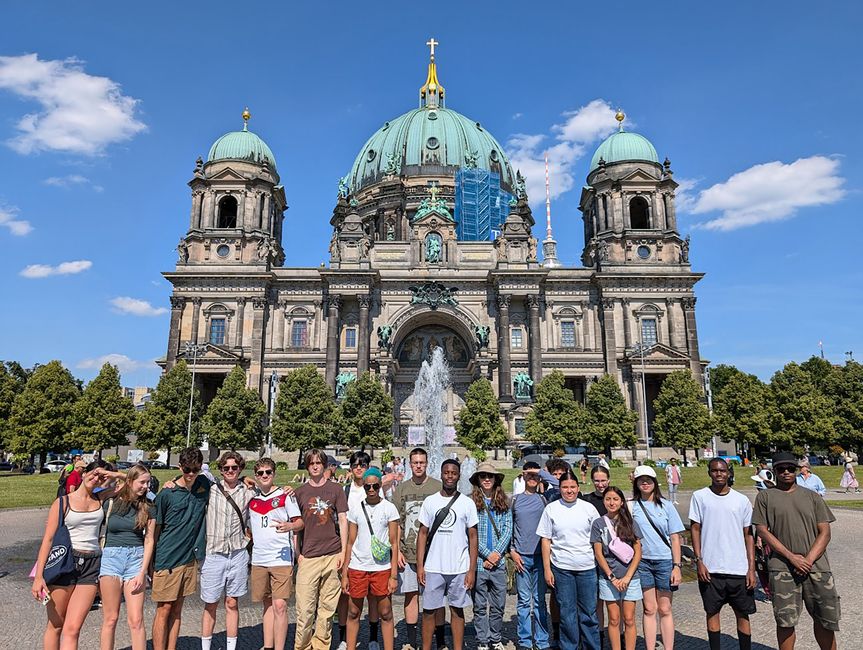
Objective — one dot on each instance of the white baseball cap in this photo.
(764, 475)
(644, 470)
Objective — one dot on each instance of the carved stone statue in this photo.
(531, 250)
(684, 251)
(433, 248)
(342, 381)
(264, 249)
(334, 248)
(363, 247)
(183, 251)
(344, 188)
(523, 383)
(392, 167)
(481, 332)
(500, 247)
(385, 333)
(391, 231)
(603, 251)
(470, 159)
(520, 189)
(199, 166)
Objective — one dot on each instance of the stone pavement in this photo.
(22, 620)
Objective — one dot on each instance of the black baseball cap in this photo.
(531, 465)
(784, 458)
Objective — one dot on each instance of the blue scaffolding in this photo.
(481, 206)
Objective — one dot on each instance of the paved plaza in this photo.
(23, 619)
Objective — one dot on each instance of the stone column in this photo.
(209, 216)
(504, 371)
(195, 220)
(279, 326)
(177, 305)
(334, 304)
(610, 340)
(656, 211)
(670, 212)
(692, 337)
(535, 342)
(241, 321)
(363, 335)
(587, 325)
(627, 324)
(315, 343)
(636, 387)
(196, 318)
(259, 315)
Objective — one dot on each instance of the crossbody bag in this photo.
(438, 520)
(239, 514)
(652, 524)
(380, 550)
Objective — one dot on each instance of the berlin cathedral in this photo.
(432, 245)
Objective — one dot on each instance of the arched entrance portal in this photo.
(417, 347)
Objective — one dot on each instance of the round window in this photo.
(386, 126)
(643, 252)
(493, 155)
(432, 115)
(223, 250)
(370, 156)
(432, 143)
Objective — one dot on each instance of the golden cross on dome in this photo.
(433, 190)
(431, 43)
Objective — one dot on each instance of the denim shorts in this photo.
(609, 593)
(122, 562)
(655, 574)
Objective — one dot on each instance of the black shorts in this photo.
(86, 571)
(726, 589)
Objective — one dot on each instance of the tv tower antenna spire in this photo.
(549, 246)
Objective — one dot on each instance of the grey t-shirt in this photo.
(526, 511)
(600, 533)
(793, 518)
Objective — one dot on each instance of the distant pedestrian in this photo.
(796, 524)
(569, 564)
(725, 552)
(583, 466)
(809, 480)
(673, 478)
(849, 477)
(660, 568)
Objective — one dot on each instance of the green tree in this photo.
(42, 413)
(367, 414)
(479, 425)
(682, 420)
(845, 387)
(556, 419)
(103, 417)
(610, 422)
(720, 375)
(818, 369)
(163, 422)
(741, 411)
(10, 386)
(235, 417)
(306, 415)
(801, 415)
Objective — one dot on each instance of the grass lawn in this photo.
(23, 491)
(855, 504)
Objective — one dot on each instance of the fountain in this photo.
(430, 400)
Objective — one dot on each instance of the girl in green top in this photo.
(128, 549)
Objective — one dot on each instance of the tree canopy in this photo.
(479, 425)
(367, 414)
(556, 419)
(741, 411)
(681, 418)
(801, 414)
(610, 422)
(306, 415)
(163, 422)
(103, 417)
(235, 418)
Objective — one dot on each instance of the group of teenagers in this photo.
(334, 547)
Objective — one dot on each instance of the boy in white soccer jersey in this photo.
(274, 517)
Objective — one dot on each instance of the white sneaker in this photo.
(373, 645)
(498, 645)
(342, 646)
(481, 646)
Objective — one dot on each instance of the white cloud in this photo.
(72, 180)
(9, 219)
(771, 192)
(516, 116)
(65, 268)
(123, 363)
(580, 129)
(79, 113)
(685, 196)
(135, 307)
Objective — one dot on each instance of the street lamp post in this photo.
(194, 349)
(274, 381)
(640, 348)
(709, 391)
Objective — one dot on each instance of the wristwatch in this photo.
(679, 565)
(698, 558)
(610, 576)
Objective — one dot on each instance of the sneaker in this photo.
(482, 646)
(408, 646)
(373, 645)
(342, 646)
(497, 645)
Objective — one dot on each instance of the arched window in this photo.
(227, 212)
(639, 214)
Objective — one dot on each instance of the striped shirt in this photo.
(224, 531)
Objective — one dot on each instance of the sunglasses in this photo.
(486, 477)
(190, 470)
(263, 472)
(363, 465)
(369, 487)
(231, 468)
(785, 468)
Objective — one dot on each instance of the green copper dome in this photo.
(241, 145)
(422, 141)
(624, 146)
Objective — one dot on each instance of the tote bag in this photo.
(60, 561)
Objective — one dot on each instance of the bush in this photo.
(386, 456)
(113, 459)
(515, 454)
(649, 462)
(479, 454)
(282, 465)
(615, 462)
(702, 462)
(153, 455)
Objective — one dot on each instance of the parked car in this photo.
(54, 466)
(345, 464)
(6, 467)
(123, 465)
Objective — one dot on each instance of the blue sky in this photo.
(105, 106)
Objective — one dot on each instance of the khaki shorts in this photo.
(816, 591)
(172, 584)
(272, 582)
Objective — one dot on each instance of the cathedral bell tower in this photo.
(628, 206)
(238, 205)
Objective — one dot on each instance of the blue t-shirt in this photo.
(666, 519)
(526, 512)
